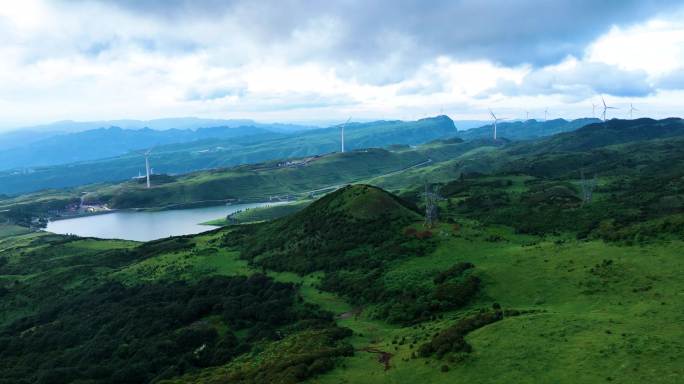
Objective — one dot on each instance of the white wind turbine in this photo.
(631, 110)
(496, 120)
(593, 110)
(342, 134)
(147, 167)
(605, 108)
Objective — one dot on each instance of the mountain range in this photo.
(115, 153)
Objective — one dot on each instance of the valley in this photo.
(548, 262)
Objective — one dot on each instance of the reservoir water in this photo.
(145, 226)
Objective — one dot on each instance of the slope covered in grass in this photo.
(323, 235)
(607, 133)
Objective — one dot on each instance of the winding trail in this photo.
(338, 186)
(383, 357)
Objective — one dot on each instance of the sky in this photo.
(302, 61)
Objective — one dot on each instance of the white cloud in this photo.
(94, 61)
(656, 47)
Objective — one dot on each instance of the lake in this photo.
(146, 226)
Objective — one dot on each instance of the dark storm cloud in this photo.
(539, 32)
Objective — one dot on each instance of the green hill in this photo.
(607, 133)
(277, 178)
(526, 130)
(322, 235)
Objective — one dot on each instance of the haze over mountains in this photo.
(114, 154)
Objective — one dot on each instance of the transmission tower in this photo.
(430, 206)
(587, 188)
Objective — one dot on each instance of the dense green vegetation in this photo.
(526, 277)
(353, 235)
(136, 334)
(141, 331)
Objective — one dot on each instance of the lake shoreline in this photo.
(144, 224)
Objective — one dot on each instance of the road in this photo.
(338, 186)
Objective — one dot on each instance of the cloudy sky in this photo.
(302, 61)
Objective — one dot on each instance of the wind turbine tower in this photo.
(546, 114)
(342, 134)
(593, 110)
(631, 110)
(605, 108)
(496, 120)
(147, 167)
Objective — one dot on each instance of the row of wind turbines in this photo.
(606, 107)
(495, 121)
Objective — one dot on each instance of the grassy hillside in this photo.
(260, 181)
(617, 147)
(646, 144)
(319, 236)
(607, 133)
(547, 306)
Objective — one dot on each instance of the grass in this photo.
(601, 312)
(617, 323)
(588, 328)
(594, 323)
(9, 230)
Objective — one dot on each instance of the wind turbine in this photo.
(605, 108)
(546, 113)
(593, 110)
(147, 167)
(527, 115)
(496, 120)
(342, 133)
(631, 109)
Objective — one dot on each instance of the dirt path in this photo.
(356, 312)
(383, 357)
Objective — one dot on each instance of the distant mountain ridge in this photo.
(109, 142)
(602, 134)
(207, 151)
(29, 135)
(69, 126)
(221, 152)
(526, 130)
